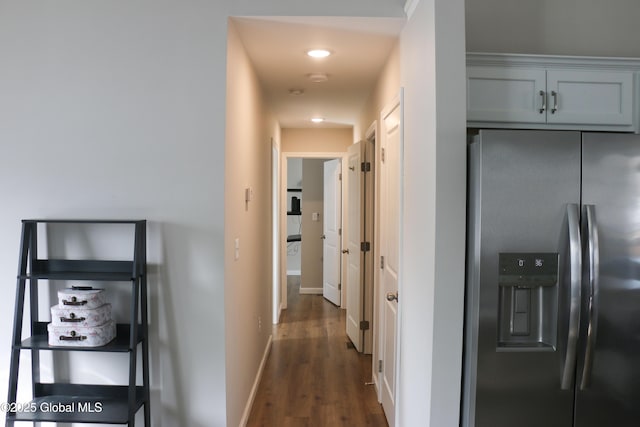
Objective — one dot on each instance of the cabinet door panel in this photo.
(496, 94)
(590, 97)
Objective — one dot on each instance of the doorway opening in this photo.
(353, 255)
(305, 249)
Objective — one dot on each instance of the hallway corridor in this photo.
(313, 377)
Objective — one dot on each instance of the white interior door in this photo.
(355, 232)
(390, 189)
(331, 231)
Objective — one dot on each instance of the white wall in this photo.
(115, 110)
(294, 173)
(560, 27)
(432, 287)
(110, 110)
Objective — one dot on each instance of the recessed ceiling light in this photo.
(318, 77)
(318, 53)
(317, 120)
(296, 92)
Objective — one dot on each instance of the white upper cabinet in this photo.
(500, 94)
(522, 91)
(590, 97)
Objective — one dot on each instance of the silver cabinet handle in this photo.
(543, 95)
(575, 283)
(554, 94)
(391, 296)
(593, 272)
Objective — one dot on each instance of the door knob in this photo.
(345, 251)
(391, 296)
(323, 237)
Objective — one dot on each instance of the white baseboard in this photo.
(312, 291)
(376, 385)
(256, 383)
(294, 272)
(279, 314)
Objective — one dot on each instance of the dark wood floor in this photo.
(313, 377)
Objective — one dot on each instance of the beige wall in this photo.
(386, 88)
(316, 140)
(312, 201)
(558, 27)
(250, 128)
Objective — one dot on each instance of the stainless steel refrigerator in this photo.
(552, 329)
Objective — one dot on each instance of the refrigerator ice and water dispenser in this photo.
(527, 319)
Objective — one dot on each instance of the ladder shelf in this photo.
(70, 402)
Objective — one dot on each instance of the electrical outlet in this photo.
(259, 323)
(237, 249)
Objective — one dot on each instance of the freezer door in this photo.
(522, 184)
(609, 383)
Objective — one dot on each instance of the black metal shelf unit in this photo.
(80, 403)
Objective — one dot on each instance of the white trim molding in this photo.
(410, 7)
(552, 61)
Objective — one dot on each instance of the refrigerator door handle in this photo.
(593, 270)
(575, 283)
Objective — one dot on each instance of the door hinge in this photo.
(382, 153)
(365, 246)
(339, 231)
(365, 166)
(379, 365)
(382, 262)
(339, 286)
(340, 176)
(364, 325)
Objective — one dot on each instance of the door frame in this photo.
(284, 157)
(371, 224)
(276, 307)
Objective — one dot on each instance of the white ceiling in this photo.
(277, 47)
